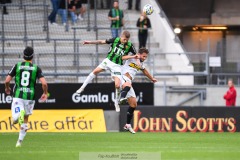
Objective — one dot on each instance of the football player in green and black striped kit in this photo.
(25, 74)
(120, 47)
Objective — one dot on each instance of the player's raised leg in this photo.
(117, 93)
(126, 87)
(89, 78)
(132, 106)
(28, 108)
(22, 132)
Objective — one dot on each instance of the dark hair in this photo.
(126, 34)
(143, 50)
(28, 53)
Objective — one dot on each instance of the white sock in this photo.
(88, 80)
(128, 125)
(117, 93)
(23, 131)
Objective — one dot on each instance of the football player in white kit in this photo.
(129, 70)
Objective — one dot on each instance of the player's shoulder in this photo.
(131, 45)
(18, 64)
(36, 66)
(112, 40)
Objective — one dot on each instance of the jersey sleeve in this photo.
(39, 73)
(110, 40)
(133, 50)
(12, 72)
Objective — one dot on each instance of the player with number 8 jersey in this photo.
(25, 74)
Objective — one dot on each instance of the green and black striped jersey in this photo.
(114, 13)
(25, 74)
(118, 50)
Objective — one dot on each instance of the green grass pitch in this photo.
(172, 146)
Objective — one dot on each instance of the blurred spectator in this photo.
(52, 16)
(101, 3)
(4, 7)
(80, 9)
(115, 15)
(143, 23)
(137, 4)
(64, 13)
(230, 95)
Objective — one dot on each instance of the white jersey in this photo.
(132, 66)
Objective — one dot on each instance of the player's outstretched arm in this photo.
(130, 57)
(147, 74)
(7, 84)
(94, 42)
(45, 89)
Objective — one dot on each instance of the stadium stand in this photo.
(58, 52)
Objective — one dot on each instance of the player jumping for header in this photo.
(129, 70)
(120, 47)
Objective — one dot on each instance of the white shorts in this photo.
(131, 92)
(19, 104)
(125, 79)
(114, 68)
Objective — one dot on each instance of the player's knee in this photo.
(97, 70)
(134, 105)
(94, 73)
(129, 84)
(117, 85)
